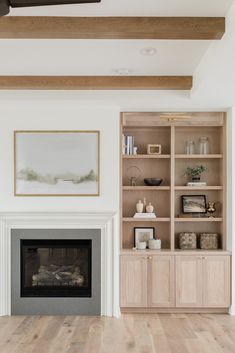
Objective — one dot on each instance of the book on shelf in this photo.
(127, 145)
(123, 144)
(144, 215)
(197, 183)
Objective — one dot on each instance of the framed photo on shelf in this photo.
(194, 204)
(56, 163)
(143, 234)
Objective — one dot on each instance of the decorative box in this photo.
(187, 241)
(209, 241)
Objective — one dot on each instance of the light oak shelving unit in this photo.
(138, 289)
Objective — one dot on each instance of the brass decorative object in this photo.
(211, 208)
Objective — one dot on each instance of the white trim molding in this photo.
(231, 198)
(232, 311)
(107, 222)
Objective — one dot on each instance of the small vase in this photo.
(149, 208)
(139, 206)
(196, 178)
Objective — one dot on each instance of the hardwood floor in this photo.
(152, 333)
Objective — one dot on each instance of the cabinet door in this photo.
(161, 287)
(216, 281)
(133, 281)
(188, 281)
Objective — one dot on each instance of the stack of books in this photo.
(127, 145)
(144, 215)
(196, 183)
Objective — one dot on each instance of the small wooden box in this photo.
(209, 241)
(188, 241)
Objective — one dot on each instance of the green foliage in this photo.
(195, 171)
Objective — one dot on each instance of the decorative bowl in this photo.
(153, 181)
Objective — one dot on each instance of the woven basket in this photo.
(209, 241)
(187, 241)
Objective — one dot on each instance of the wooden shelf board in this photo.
(145, 188)
(146, 156)
(131, 251)
(198, 156)
(159, 219)
(195, 219)
(189, 188)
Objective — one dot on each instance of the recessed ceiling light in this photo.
(149, 51)
(122, 71)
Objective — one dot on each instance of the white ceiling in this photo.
(102, 57)
(134, 8)
(98, 57)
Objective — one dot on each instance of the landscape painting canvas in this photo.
(193, 203)
(56, 163)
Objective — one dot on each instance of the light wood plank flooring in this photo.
(152, 333)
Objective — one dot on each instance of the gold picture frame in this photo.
(154, 149)
(85, 179)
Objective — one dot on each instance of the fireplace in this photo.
(56, 268)
(56, 271)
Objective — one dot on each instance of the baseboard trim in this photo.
(176, 310)
(232, 311)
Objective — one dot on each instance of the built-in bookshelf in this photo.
(172, 134)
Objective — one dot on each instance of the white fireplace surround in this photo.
(107, 222)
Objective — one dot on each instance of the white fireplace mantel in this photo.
(106, 221)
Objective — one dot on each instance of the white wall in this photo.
(231, 196)
(59, 115)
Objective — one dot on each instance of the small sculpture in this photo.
(211, 208)
(133, 173)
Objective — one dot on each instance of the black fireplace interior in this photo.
(56, 268)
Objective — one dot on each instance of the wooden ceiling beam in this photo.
(201, 28)
(95, 82)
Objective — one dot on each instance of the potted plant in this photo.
(195, 172)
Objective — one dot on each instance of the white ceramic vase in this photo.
(154, 244)
(139, 206)
(149, 208)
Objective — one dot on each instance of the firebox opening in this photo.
(56, 268)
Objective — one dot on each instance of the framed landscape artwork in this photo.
(193, 203)
(57, 163)
(143, 234)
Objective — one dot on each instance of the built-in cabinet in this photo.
(175, 281)
(161, 282)
(147, 281)
(216, 281)
(203, 281)
(171, 277)
(134, 281)
(188, 281)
